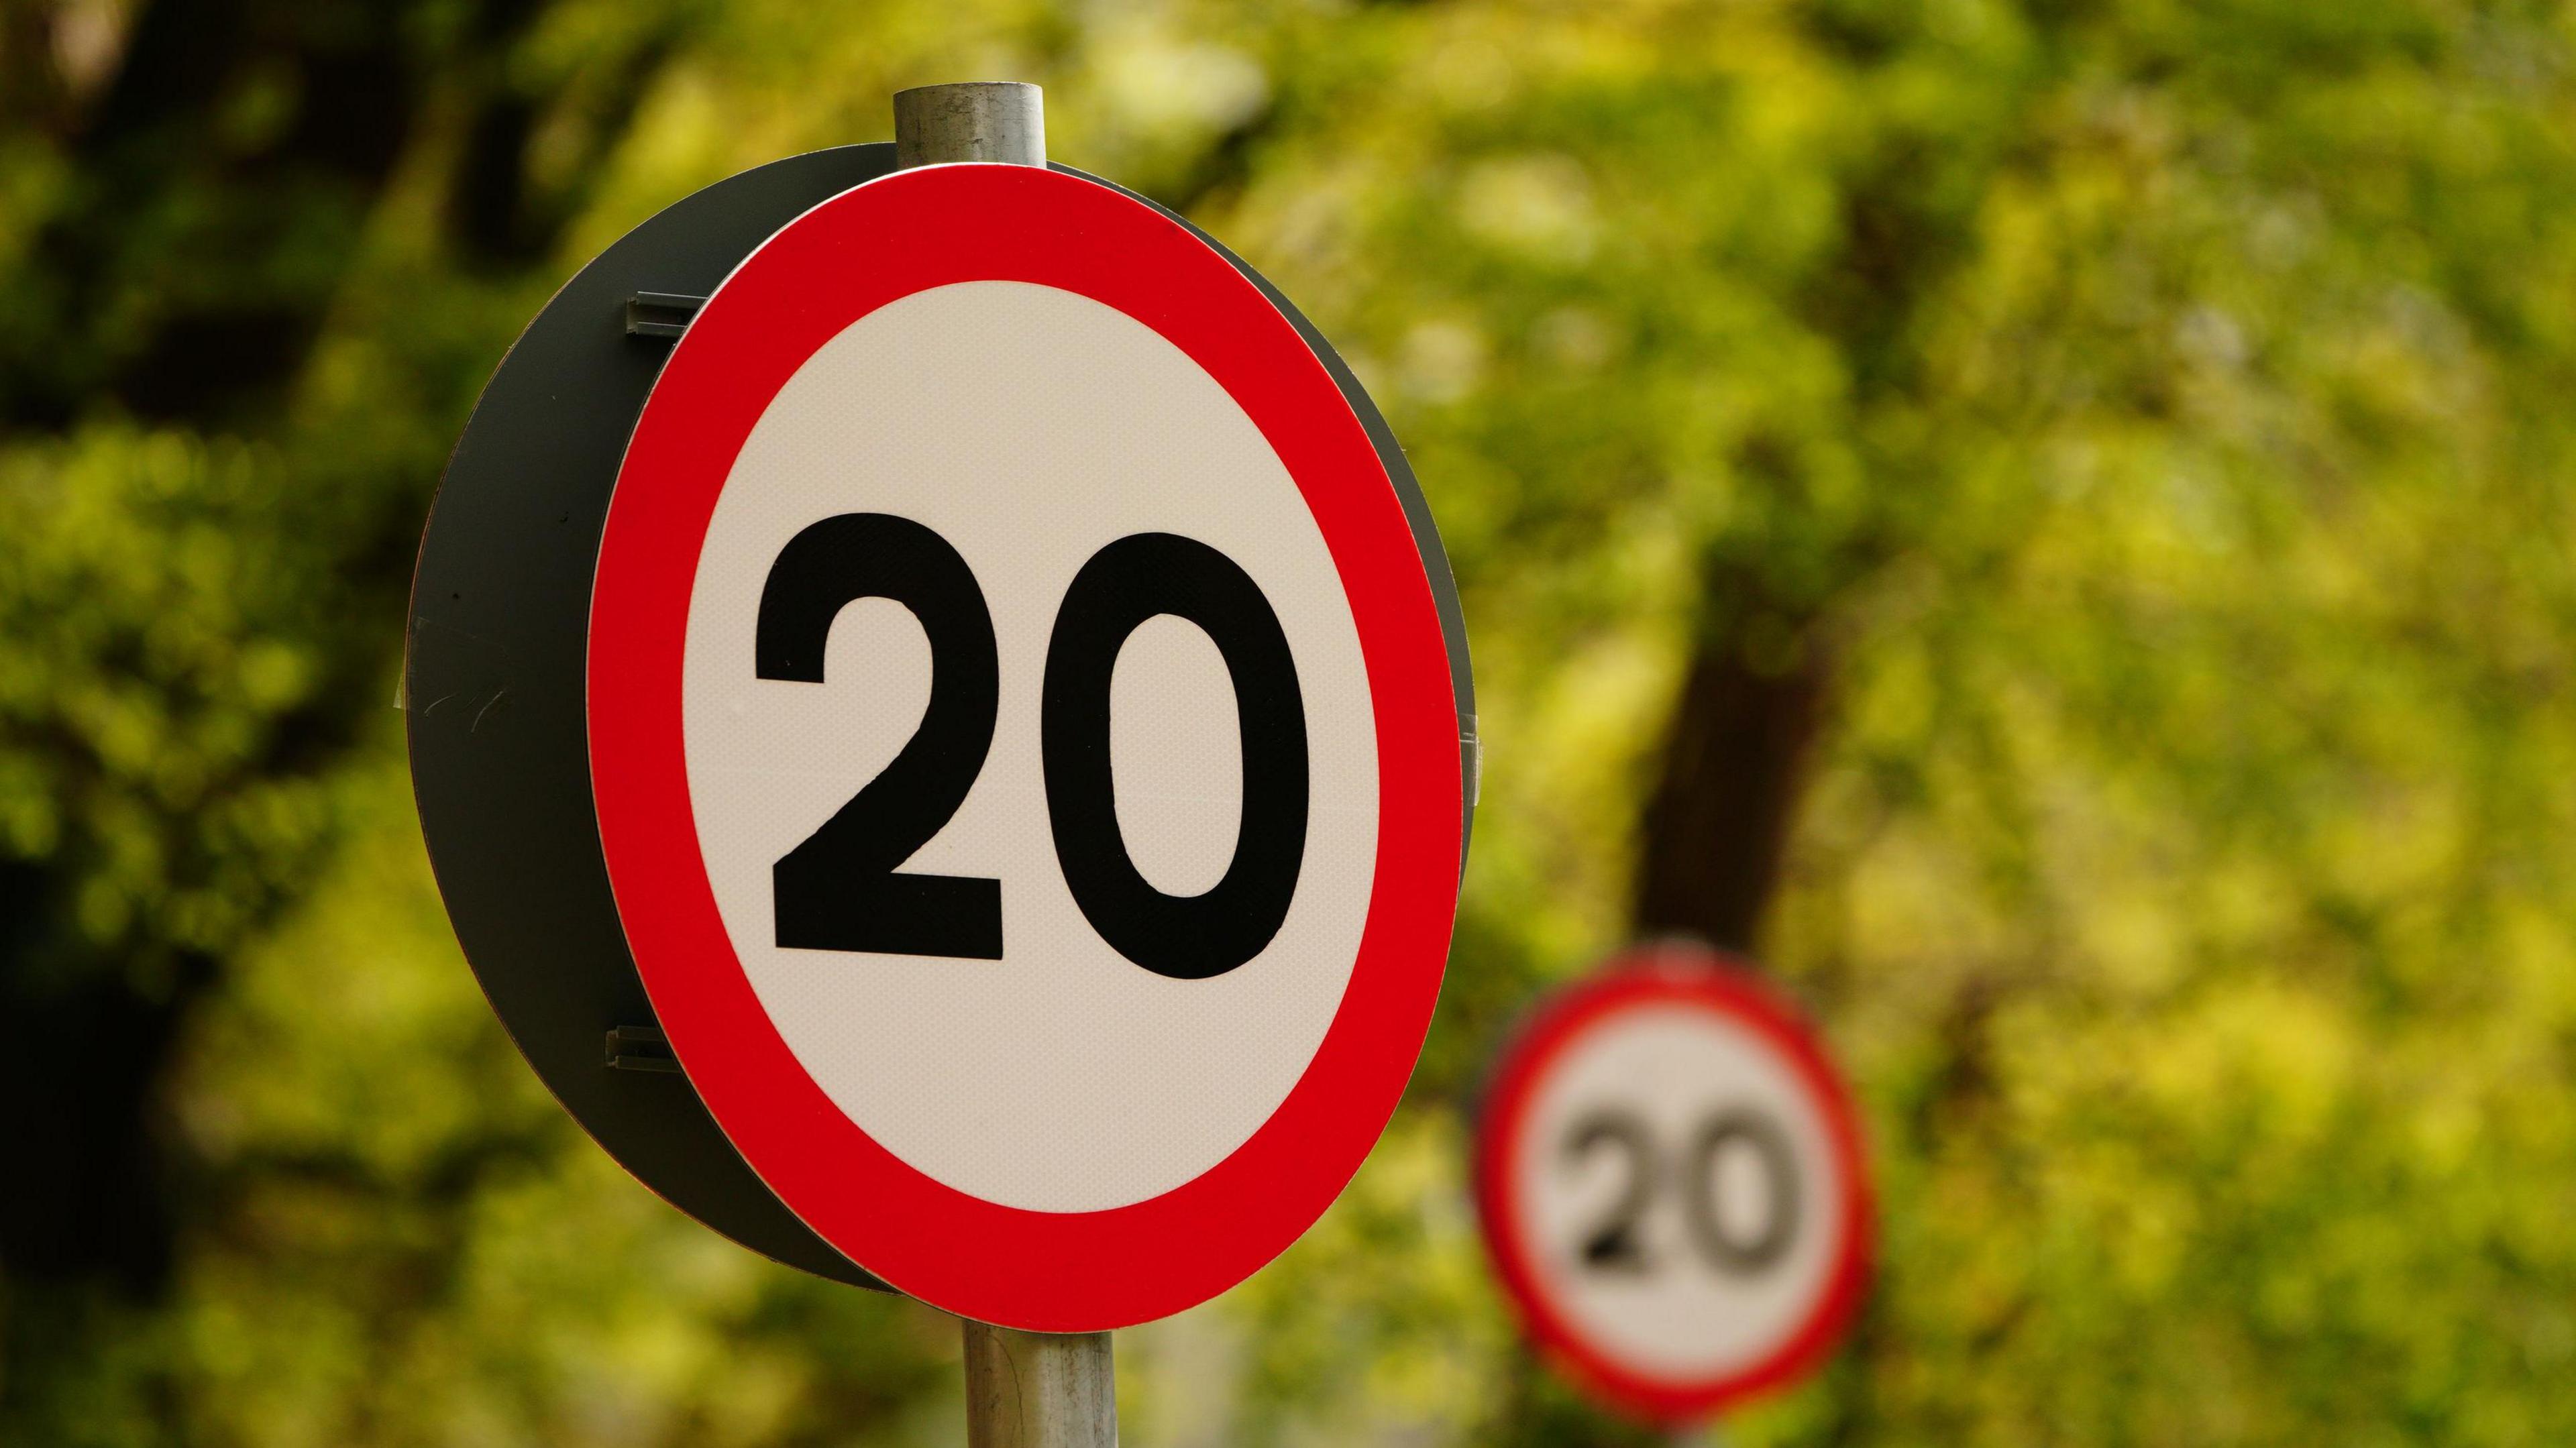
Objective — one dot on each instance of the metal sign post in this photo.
(1137, 1011)
(1039, 1389)
(1023, 1389)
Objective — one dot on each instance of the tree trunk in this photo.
(1717, 821)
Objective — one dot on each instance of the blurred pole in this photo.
(1023, 1389)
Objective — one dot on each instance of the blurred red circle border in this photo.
(1688, 974)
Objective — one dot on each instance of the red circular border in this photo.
(1044, 1271)
(1694, 975)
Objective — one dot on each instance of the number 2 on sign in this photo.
(840, 889)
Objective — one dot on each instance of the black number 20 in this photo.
(840, 890)
(1614, 1244)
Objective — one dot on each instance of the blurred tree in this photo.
(207, 548)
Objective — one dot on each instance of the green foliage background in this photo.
(2151, 413)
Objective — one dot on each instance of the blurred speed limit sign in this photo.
(1671, 1183)
(1023, 723)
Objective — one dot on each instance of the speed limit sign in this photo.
(1026, 739)
(1671, 1185)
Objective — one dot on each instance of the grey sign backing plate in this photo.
(493, 683)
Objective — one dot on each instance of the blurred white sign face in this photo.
(1670, 1183)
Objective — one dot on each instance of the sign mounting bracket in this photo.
(640, 1048)
(661, 314)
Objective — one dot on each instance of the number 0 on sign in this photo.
(1025, 748)
(1671, 1185)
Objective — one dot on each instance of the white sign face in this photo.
(1671, 1186)
(1024, 744)
(1064, 1078)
